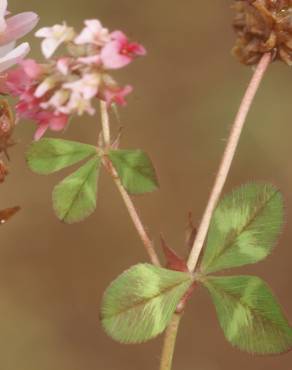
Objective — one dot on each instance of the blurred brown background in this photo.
(187, 90)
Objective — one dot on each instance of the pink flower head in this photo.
(52, 92)
(119, 52)
(12, 29)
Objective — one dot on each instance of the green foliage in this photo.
(51, 155)
(249, 314)
(244, 227)
(75, 197)
(139, 304)
(135, 170)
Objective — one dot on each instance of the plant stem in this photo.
(169, 343)
(105, 123)
(147, 242)
(171, 332)
(227, 159)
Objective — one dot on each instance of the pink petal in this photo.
(47, 119)
(31, 68)
(111, 57)
(58, 123)
(44, 32)
(119, 36)
(18, 26)
(91, 59)
(3, 11)
(16, 81)
(119, 52)
(117, 95)
(93, 32)
(14, 57)
(136, 49)
(49, 46)
(63, 65)
(85, 37)
(94, 25)
(42, 128)
(5, 49)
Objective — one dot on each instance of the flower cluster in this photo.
(13, 28)
(263, 26)
(51, 92)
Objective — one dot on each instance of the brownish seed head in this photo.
(263, 26)
(7, 124)
(3, 171)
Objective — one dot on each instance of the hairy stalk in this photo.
(169, 343)
(232, 143)
(105, 123)
(147, 242)
(227, 159)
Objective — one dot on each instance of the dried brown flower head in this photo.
(263, 26)
(3, 171)
(7, 124)
(6, 214)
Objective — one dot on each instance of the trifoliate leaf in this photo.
(244, 228)
(249, 314)
(75, 197)
(139, 304)
(135, 170)
(51, 155)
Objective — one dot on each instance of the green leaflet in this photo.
(249, 314)
(51, 155)
(244, 227)
(139, 304)
(135, 170)
(75, 197)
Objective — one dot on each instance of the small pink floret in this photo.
(48, 120)
(119, 52)
(117, 95)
